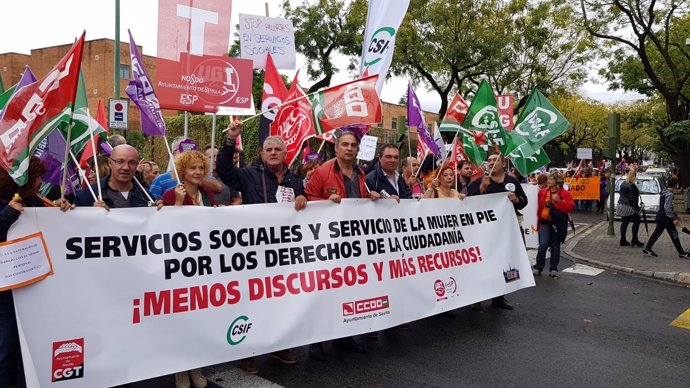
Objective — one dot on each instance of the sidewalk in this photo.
(596, 247)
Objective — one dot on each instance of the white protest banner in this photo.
(139, 285)
(367, 148)
(529, 214)
(584, 153)
(23, 261)
(383, 20)
(260, 35)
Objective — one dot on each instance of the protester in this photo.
(308, 168)
(442, 185)
(385, 178)
(541, 181)
(465, 171)
(168, 180)
(666, 219)
(149, 171)
(603, 191)
(336, 179)
(497, 181)
(116, 140)
(268, 180)
(103, 169)
(13, 200)
(628, 209)
(192, 167)
(119, 189)
(410, 166)
(554, 204)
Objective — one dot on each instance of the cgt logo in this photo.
(379, 45)
(365, 305)
(238, 330)
(444, 289)
(68, 360)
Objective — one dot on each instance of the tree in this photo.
(588, 120)
(641, 123)
(324, 29)
(649, 56)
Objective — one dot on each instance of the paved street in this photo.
(611, 329)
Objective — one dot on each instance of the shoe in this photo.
(649, 252)
(684, 255)
(198, 380)
(372, 335)
(553, 274)
(316, 352)
(182, 380)
(285, 356)
(502, 303)
(476, 306)
(536, 271)
(686, 230)
(625, 243)
(637, 243)
(349, 344)
(404, 326)
(249, 365)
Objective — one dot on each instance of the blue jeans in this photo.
(9, 341)
(548, 239)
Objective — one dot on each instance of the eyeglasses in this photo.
(122, 162)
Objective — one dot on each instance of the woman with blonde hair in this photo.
(442, 185)
(628, 209)
(553, 205)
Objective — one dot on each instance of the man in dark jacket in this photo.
(119, 189)
(666, 219)
(497, 181)
(385, 179)
(264, 181)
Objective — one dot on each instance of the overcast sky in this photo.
(58, 22)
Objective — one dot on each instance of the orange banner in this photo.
(583, 188)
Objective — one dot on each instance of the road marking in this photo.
(683, 320)
(581, 269)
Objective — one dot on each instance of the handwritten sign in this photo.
(24, 261)
(260, 35)
(367, 148)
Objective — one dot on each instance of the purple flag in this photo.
(52, 152)
(28, 78)
(415, 118)
(140, 90)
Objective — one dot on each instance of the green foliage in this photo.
(325, 28)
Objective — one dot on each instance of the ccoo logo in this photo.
(238, 330)
(379, 44)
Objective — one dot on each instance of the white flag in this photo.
(383, 20)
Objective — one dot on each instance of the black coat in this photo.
(137, 198)
(255, 179)
(377, 181)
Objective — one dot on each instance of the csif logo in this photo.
(238, 330)
(379, 44)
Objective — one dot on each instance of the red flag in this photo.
(88, 149)
(458, 155)
(293, 123)
(305, 151)
(37, 109)
(354, 102)
(274, 94)
(422, 151)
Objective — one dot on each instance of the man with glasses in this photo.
(119, 188)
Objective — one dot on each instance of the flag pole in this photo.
(172, 159)
(144, 190)
(213, 140)
(95, 154)
(82, 174)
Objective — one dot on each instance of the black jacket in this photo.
(629, 195)
(377, 181)
(255, 179)
(509, 184)
(8, 216)
(137, 198)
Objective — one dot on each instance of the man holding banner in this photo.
(385, 179)
(497, 181)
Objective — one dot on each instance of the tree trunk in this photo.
(683, 162)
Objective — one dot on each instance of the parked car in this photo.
(660, 172)
(649, 186)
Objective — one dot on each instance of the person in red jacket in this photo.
(554, 204)
(334, 180)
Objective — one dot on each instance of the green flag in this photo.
(482, 116)
(5, 97)
(81, 120)
(2, 85)
(538, 122)
(473, 145)
(531, 162)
